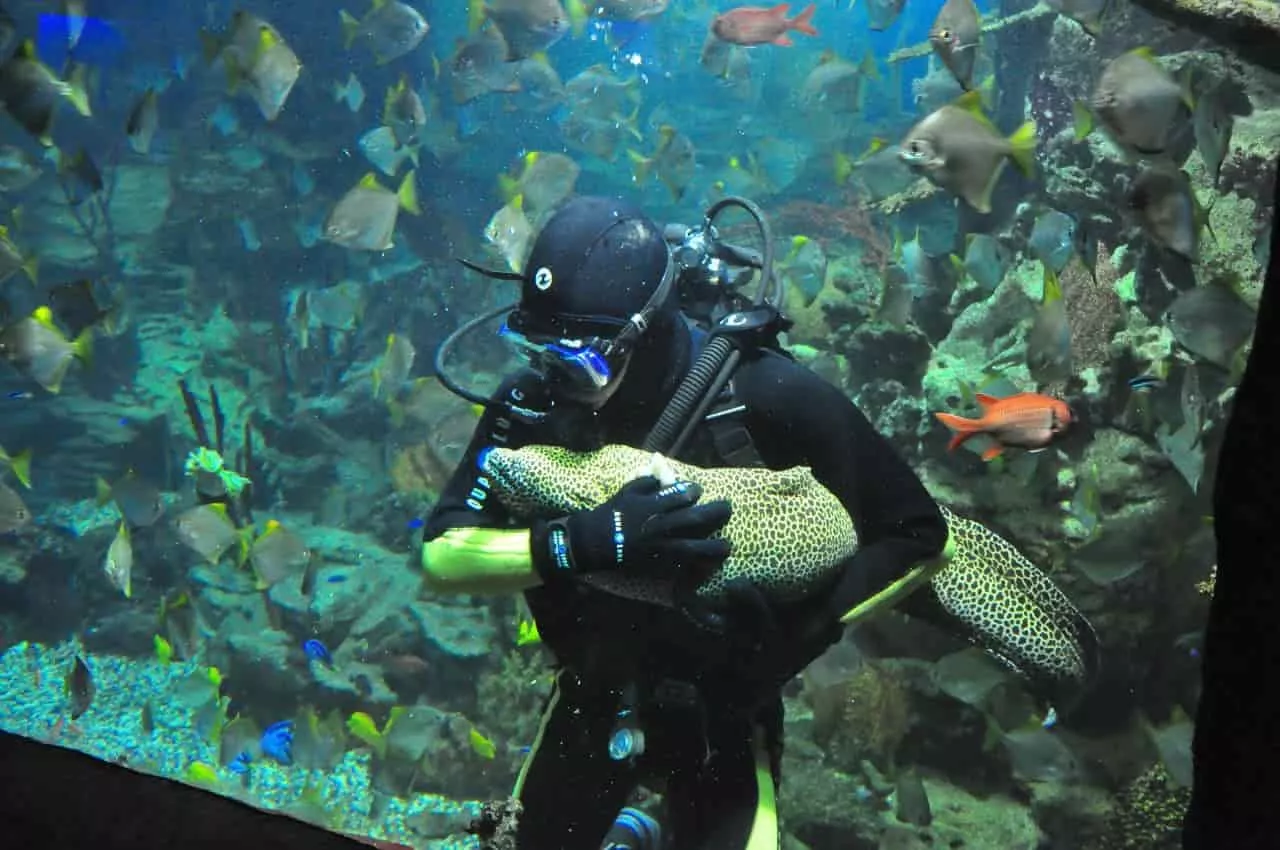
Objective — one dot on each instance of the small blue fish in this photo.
(468, 122)
(1145, 383)
(416, 523)
(308, 232)
(277, 742)
(302, 180)
(248, 233)
(21, 395)
(337, 578)
(983, 260)
(240, 764)
(1050, 719)
(224, 120)
(181, 65)
(317, 651)
(1052, 239)
(1085, 242)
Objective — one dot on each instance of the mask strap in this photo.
(497, 274)
(639, 323)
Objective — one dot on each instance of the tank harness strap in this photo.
(730, 437)
(729, 434)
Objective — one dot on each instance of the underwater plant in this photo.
(215, 482)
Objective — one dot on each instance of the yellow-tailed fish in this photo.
(164, 649)
(139, 501)
(143, 121)
(1166, 206)
(395, 366)
(37, 348)
(19, 465)
(674, 162)
(404, 112)
(202, 773)
(528, 633)
(277, 554)
(365, 218)
(14, 513)
(544, 179)
(960, 150)
(390, 30)
(207, 530)
(18, 170)
(118, 563)
(1138, 102)
(509, 232)
(954, 37)
(1049, 340)
(30, 92)
(255, 55)
(529, 26)
(381, 147)
(79, 688)
(481, 745)
(362, 726)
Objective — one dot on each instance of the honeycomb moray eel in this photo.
(790, 535)
(1009, 607)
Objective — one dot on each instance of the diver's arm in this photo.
(469, 545)
(796, 418)
(899, 525)
(479, 560)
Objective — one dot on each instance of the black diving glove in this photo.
(645, 529)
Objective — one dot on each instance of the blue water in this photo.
(211, 272)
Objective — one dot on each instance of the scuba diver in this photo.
(631, 340)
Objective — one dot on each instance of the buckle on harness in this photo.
(673, 693)
(757, 326)
(627, 741)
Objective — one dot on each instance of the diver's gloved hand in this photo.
(644, 530)
(767, 644)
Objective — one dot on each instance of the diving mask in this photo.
(582, 363)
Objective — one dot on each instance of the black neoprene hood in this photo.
(594, 265)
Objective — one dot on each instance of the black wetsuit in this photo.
(702, 748)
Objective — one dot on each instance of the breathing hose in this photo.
(715, 365)
(446, 347)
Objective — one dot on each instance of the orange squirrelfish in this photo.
(753, 25)
(1026, 421)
